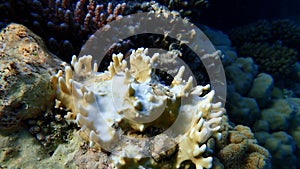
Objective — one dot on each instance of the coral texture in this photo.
(64, 24)
(274, 45)
(191, 9)
(133, 100)
(283, 30)
(277, 130)
(239, 149)
(270, 58)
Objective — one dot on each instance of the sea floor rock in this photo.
(25, 70)
(21, 150)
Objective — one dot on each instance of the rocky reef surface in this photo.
(259, 129)
(25, 70)
(67, 147)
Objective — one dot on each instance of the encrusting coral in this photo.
(111, 106)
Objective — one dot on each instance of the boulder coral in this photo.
(261, 89)
(278, 129)
(240, 74)
(282, 147)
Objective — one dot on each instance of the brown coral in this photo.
(239, 149)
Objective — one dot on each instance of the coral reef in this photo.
(243, 110)
(286, 31)
(12, 149)
(282, 147)
(261, 89)
(268, 110)
(65, 25)
(274, 45)
(187, 8)
(283, 30)
(272, 114)
(267, 107)
(241, 73)
(132, 100)
(255, 32)
(277, 130)
(86, 94)
(25, 70)
(51, 129)
(21, 150)
(272, 59)
(239, 149)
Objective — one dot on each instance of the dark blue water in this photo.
(226, 14)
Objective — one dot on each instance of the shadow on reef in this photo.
(65, 25)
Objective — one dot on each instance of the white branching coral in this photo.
(204, 126)
(129, 97)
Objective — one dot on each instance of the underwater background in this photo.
(260, 45)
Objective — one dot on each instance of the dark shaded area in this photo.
(51, 129)
(226, 14)
(65, 38)
(65, 25)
